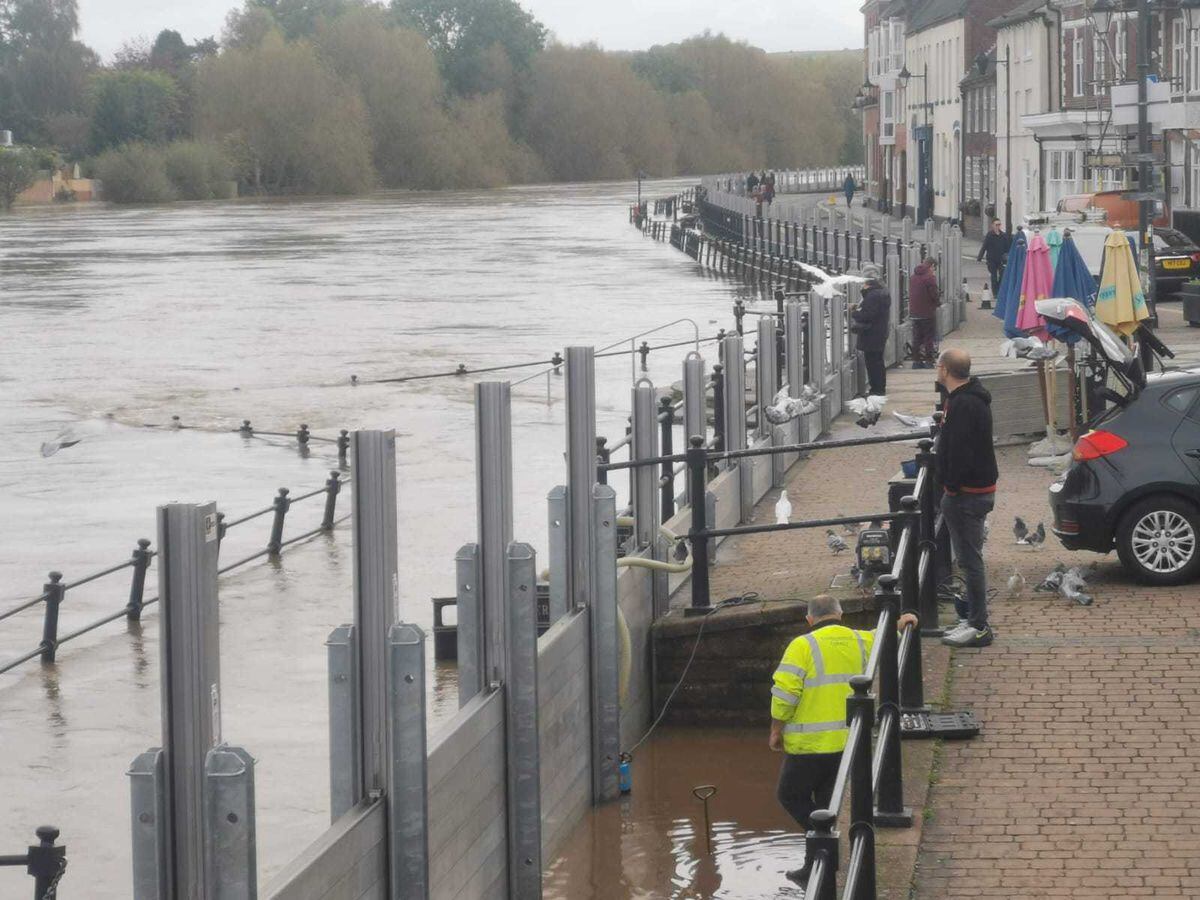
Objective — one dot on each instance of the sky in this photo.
(774, 25)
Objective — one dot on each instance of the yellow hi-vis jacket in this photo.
(812, 684)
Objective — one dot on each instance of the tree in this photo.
(17, 172)
(134, 105)
(37, 23)
(462, 33)
(291, 124)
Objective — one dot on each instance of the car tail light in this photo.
(1096, 444)
(1066, 526)
(1196, 257)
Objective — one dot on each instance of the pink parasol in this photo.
(1037, 284)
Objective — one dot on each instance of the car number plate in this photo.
(1177, 263)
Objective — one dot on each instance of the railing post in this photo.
(45, 862)
(862, 804)
(408, 797)
(54, 591)
(739, 313)
(821, 847)
(603, 457)
(718, 381)
(697, 464)
(332, 486)
(343, 445)
(281, 504)
(137, 584)
(890, 809)
(666, 446)
(928, 589)
(912, 691)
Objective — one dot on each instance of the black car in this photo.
(1134, 481)
(1176, 260)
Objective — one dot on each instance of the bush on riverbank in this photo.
(185, 170)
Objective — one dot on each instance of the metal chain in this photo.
(52, 890)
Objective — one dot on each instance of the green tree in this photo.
(292, 125)
(134, 173)
(463, 34)
(17, 172)
(134, 105)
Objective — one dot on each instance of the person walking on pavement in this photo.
(808, 708)
(966, 469)
(848, 188)
(870, 322)
(923, 302)
(995, 247)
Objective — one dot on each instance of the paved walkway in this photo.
(1084, 781)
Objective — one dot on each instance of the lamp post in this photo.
(927, 161)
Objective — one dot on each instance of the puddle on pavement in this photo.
(651, 842)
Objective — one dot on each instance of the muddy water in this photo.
(652, 844)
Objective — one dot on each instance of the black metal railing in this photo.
(44, 861)
(54, 592)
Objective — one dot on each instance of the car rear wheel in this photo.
(1158, 540)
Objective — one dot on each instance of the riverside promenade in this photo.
(1083, 780)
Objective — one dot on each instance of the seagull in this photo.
(827, 285)
(913, 421)
(784, 408)
(834, 542)
(64, 440)
(868, 409)
(783, 509)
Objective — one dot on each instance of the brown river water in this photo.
(114, 319)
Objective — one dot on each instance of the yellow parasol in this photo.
(1120, 303)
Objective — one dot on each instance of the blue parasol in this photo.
(1008, 299)
(1072, 279)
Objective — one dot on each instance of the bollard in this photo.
(137, 586)
(739, 313)
(890, 809)
(54, 590)
(332, 486)
(46, 863)
(557, 361)
(343, 445)
(302, 436)
(281, 504)
(697, 462)
(666, 421)
(246, 430)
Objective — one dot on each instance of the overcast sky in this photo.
(614, 24)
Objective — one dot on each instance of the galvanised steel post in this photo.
(581, 469)
(605, 667)
(523, 767)
(345, 775)
(643, 446)
(793, 334)
(148, 794)
(861, 705)
(137, 584)
(559, 563)
(695, 402)
(191, 684)
(735, 421)
(494, 501)
(697, 463)
(890, 809)
(470, 636)
(912, 691)
(281, 504)
(53, 590)
(231, 852)
(666, 425)
(332, 486)
(408, 798)
(765, 372)
(376, 594)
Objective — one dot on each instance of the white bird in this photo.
(1026, 348)
(64, 439)
(827, 285)
(1016, 584)
(783, 509)
(913, 421)
(784, 408)
(868, 409)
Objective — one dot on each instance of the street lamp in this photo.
(927, 163)
(981, 64)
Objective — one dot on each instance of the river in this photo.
(115, 319)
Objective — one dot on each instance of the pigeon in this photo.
(1037, 537)
(1020, 530)
(1052, 582)
(834, 542)
(784, 407)
(827, 285)
(680, 551)
(1016, 584)
(913, 421)
(1072, 586)
(1026, 348)
(868, 409)
(783, 509)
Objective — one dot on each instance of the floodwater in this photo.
(115, 320)
(652, 843)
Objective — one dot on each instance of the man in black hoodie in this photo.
(995, 247)
(966, 468)
(869, 320)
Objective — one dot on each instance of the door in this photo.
(924, 166)
(1186, 439)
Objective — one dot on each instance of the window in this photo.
(1120, 52)
(1077, 65)
(1178, 76)
(1027, 30)
(1182, 399)
(1029, 110)
(1099, 64)
(1194, 59)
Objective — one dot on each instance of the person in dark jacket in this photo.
(995, 247)
(751, 183)
(870, 322)
(923, 302)
(848, 188)
(966, 468)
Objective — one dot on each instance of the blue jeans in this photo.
(964, 515)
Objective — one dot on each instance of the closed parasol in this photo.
(1036, 284)
(1008, 298)
(1120, 303)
